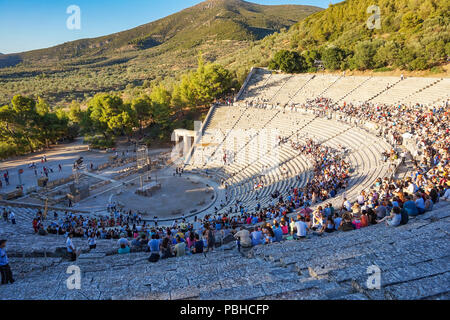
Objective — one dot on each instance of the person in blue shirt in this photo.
(5, 270)
(410, 207)
(92, 242)
(327, 211)
(278, 232)
(198, 245)
(269, 235)
(420, 203)
(154, 244)
(337, 221)
(256, 237)
(124, 249)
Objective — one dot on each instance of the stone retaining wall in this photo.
(38, 206)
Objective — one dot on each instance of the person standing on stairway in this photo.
(5, 269)
(12, 217)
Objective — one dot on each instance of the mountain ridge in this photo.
(222, 19)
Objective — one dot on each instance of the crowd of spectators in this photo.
(391, 201)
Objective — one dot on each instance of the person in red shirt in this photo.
(35, 225)
(364, 219)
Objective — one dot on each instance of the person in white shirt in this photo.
(360, 199)
(92, 242)
(196, 225)
(403, 157)
(71, 247)
(447, 195)
(301, 227)
(394, 219)
(243, 238)
(347, 205)
(411, 188)
(12, 217)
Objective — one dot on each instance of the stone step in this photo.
(93, 255)
(420, 289)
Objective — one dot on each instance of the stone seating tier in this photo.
(413, 260)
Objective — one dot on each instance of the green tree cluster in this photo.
(288, 61)
(414, 35)
(204, 85)
(153, 114)
(27, 125)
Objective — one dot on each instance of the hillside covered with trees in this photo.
(127, 89)
(27, 125)
(163, 49)
(412, 35)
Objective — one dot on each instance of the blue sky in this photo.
(34, 24)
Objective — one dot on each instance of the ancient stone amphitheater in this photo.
(413, 258)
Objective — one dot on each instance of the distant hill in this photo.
(8, 60)
(209, 20)
(162, 49)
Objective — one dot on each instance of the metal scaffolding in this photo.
(142, 158)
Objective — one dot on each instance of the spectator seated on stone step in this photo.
(124, 249)
(42, 231)
(140, 243)
(123, 244)
(410, 207)
(394, 219)
(446, 195)
(198, 245)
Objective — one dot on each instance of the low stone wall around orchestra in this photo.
(99, 185)
(55, 183)
(117, 163)
(38, 206)
(11, 195)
